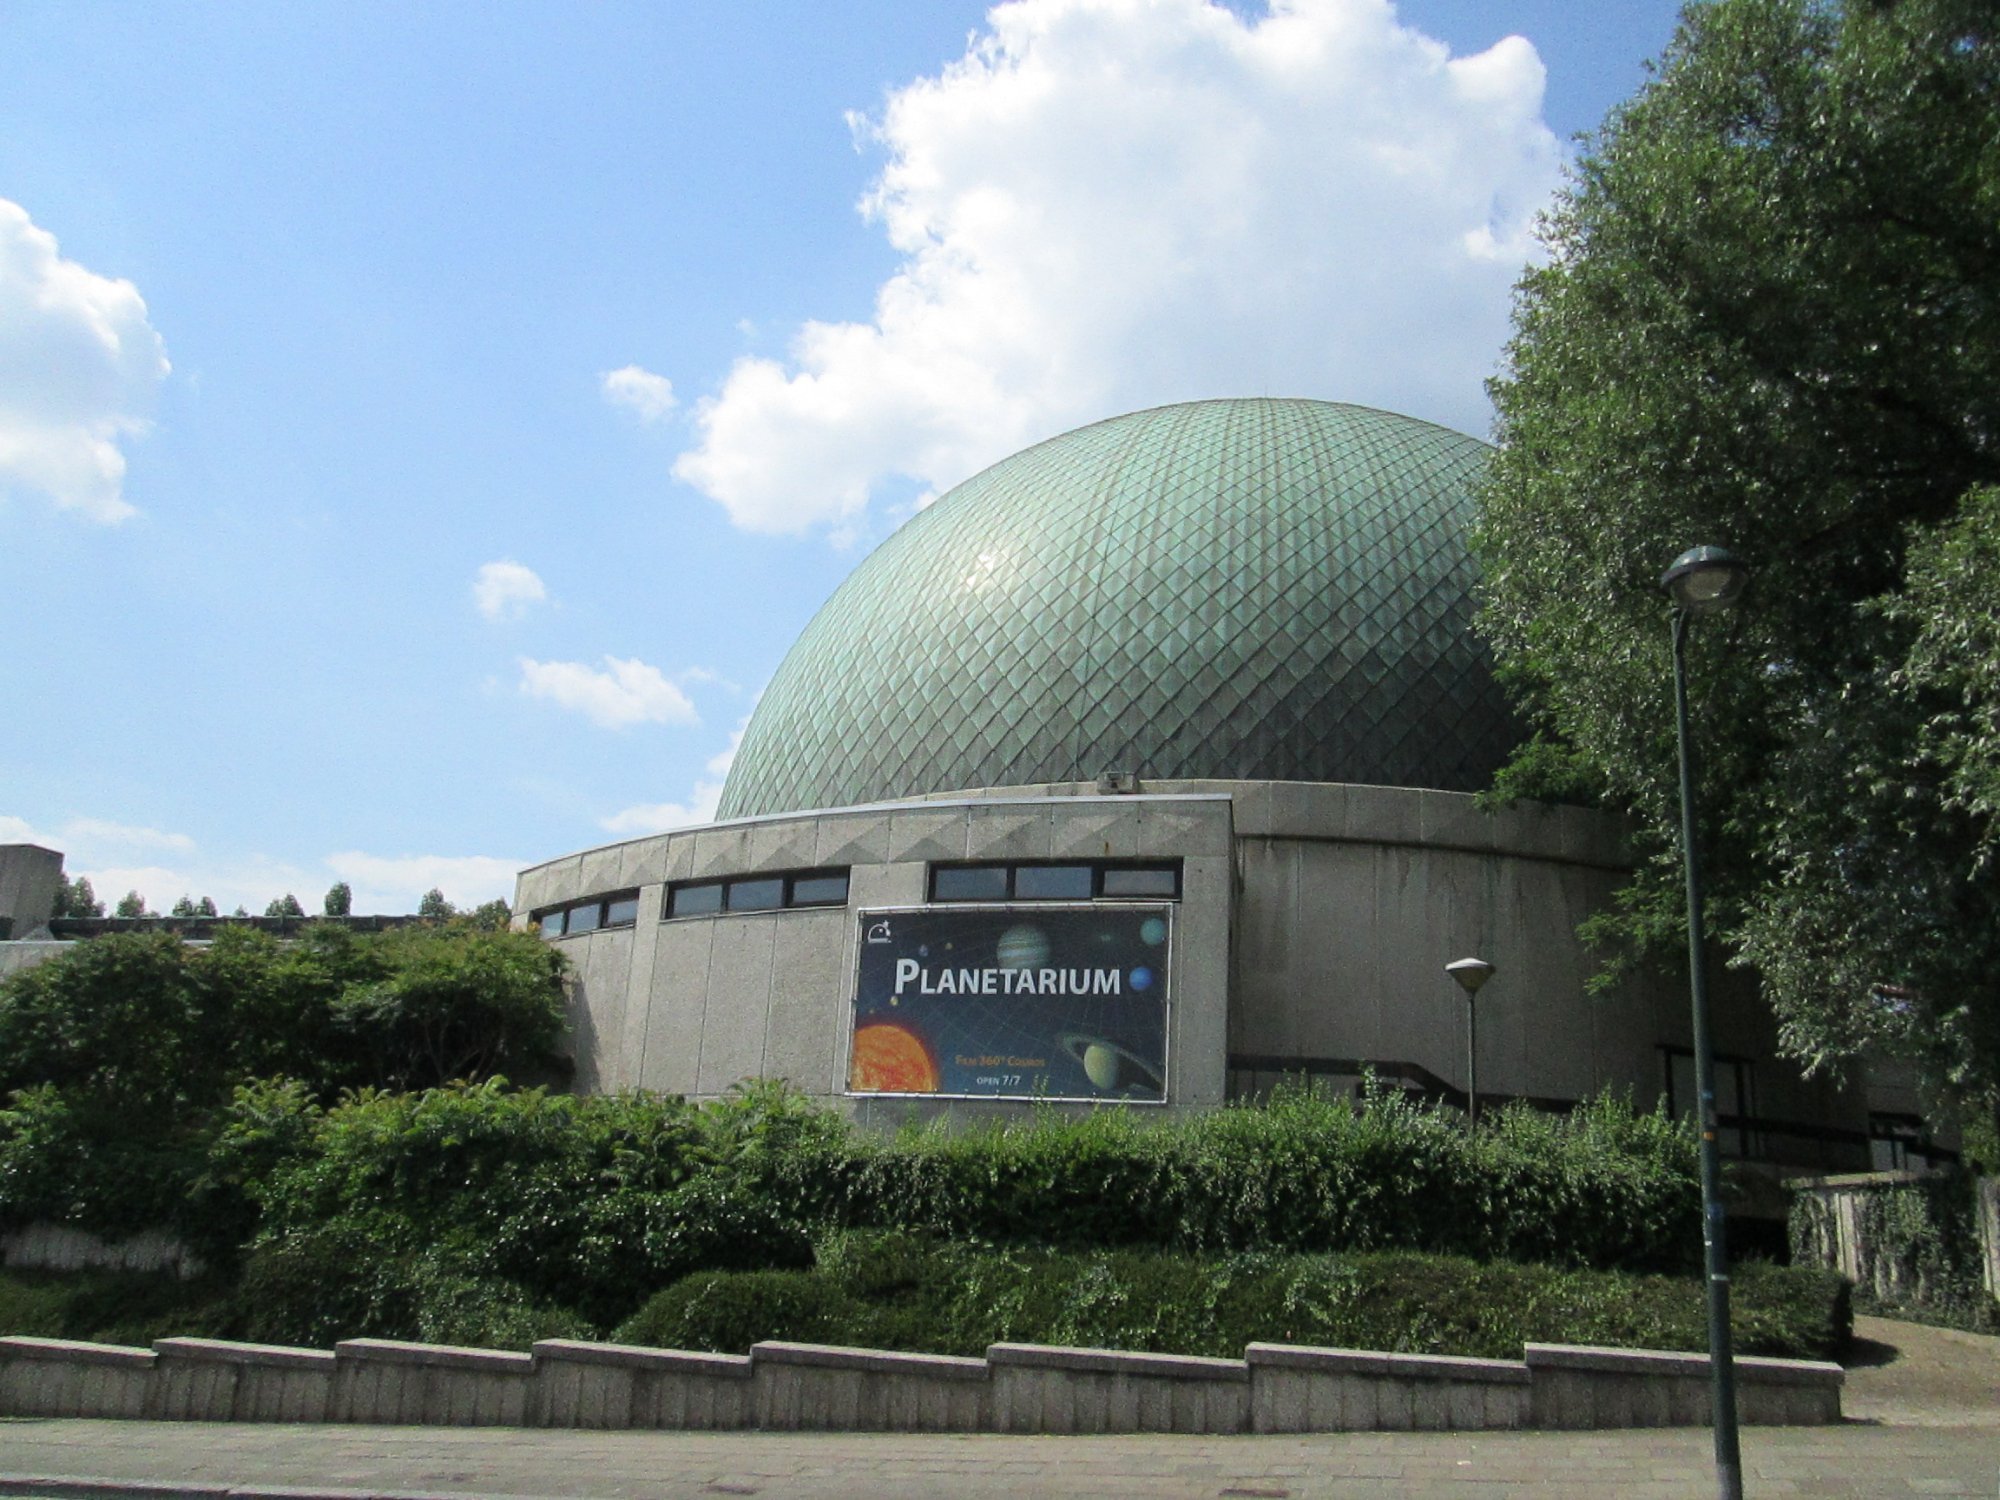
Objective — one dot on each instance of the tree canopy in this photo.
(118, 1059)
(1770, 319)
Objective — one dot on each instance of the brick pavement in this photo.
(1850, 1461)
(1928, 1404)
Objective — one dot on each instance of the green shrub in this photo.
(1920, 1250)
(118, 1060)
(115, 1307)
(1604, 1186)
(906, 1291)
(583, 1205)
(729, 1311)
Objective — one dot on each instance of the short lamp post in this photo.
(1704, 580)
(1471, 973)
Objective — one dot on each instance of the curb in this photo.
(48, 1487)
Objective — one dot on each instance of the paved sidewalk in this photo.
(1926, 1404)
(1852, 1460)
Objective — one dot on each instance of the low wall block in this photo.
(1298, 1389)
(1576, 1386)
(1024, 1388)
(385, 1381)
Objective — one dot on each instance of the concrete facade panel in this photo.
(725, 849)
(1008, 832)
(549, 884)
(1199, 1036)
(1096, 832)
(599, 872)
(1313, 928)
(601, 966)
(643, 862)
(784, 844)
(671, 1055)
(851, 839)
(738, 1000)
(29, 875)
(812, 979)
(923, 833)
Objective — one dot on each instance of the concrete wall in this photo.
(1837, 1239)
(697, 1004)
(1354, 898)
(16, 956)
(58, 1247)
(1314, 925)
(29, 875)
(1022, 1388)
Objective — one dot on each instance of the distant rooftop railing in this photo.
(199, 929)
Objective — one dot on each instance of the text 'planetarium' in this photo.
(1139, 768)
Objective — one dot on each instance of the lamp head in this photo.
(1705, 579)
(1470, 973)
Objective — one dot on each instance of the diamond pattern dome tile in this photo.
(1256, 589)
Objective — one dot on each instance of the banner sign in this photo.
(1033, 1001)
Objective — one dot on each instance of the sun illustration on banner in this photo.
(891, 1059)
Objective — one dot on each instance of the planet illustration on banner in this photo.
(1022, 948)
(891, 1059)
(1153, 931)
(1111, 1067)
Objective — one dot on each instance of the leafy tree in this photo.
(75, 898)
(184, 907)
(435, 907)
(121, 1056)
(205, 907)
(126, 1024)
(132, 904)
(490, 916)
(1770, 318)
(339, 900)
(286, 905)
(457, 1004)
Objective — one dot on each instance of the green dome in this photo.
(1254, 590)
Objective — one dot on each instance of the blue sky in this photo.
(424, 428)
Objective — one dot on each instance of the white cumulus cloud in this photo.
(626, 691)
(660, 817)
(79, 366)
(396, 883)
(504, 590)
(114, 858)
(647, 396)
(1111, 204)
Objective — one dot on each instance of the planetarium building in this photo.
(1140, 767)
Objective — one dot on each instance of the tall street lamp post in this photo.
(1471, 973)
(1704, 580)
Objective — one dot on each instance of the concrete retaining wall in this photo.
(57, 1247)
(1839, 1242)
(1023, 1388)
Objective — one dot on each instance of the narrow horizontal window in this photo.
(621, 911)
(969, 883)
(819, 890)
(552, 922)
(766, 894)
(1142, 880)
(702, 898)
(585, 918)
(1097, 880)
(695, 900)
(1052, 882)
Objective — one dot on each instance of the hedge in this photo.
(899, 1291)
